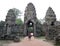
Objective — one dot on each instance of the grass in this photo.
(41, 37)
(57, 44)
(5, 42)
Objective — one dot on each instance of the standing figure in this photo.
(29, 36)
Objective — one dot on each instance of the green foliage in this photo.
(39, 28)
(16, 11)
(19, 21)
(30, 29)
(2, 23)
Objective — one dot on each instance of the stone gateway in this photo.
(30, 20)
(50, 28)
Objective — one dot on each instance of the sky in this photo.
(41, 7)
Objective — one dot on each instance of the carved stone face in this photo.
(50, 16)
(30, 12)
(29, 17)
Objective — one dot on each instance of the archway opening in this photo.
(30, 27)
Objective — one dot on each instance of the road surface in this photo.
(32, 42)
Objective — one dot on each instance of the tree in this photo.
(17, 12)
(2, 23)
(19, 21)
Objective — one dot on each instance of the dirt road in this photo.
(32, 42)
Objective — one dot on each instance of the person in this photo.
(29, 36)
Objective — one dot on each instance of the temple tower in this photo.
(50, 20)
(50, 17)
(30, 19)
(10, 21)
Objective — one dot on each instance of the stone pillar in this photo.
(35, 30)
(8, 30)
(25, 31)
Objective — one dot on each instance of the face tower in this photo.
(50, 20)
(30, 19)
(10, 20)
(50, 17)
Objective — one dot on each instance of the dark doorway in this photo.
(52, 23)
(30, 27)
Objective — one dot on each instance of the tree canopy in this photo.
(2, 23)
(19, 21)
(15, 12)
